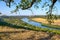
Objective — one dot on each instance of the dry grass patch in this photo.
(24, 34)
(56, 37)
(27, 35)
(56, 22)
(9, 29)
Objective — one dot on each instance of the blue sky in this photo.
(6, 10)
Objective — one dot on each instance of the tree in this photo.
(26, 4)
(50, 16)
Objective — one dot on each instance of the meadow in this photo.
(44, 20)
(16, 29)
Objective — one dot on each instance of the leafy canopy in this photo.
(25, 4)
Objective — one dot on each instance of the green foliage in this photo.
(50, 16)
(8, 2)
(51, 26)
(26, 4)
(25, 25)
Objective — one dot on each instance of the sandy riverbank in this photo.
(56, 22)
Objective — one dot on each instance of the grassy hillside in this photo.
(15, 29)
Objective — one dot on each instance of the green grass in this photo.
(51, 26)
(22, 24)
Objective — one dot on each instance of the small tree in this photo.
(50, 16)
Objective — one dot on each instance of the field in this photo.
(20, 34)
(43, 20)
(15, 29)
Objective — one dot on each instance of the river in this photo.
(36, 24)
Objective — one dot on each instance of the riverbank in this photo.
(42, 20)
(25, 25)
(16, 29)
(51, 26)
(45, 23)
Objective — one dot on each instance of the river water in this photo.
(36, 24)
